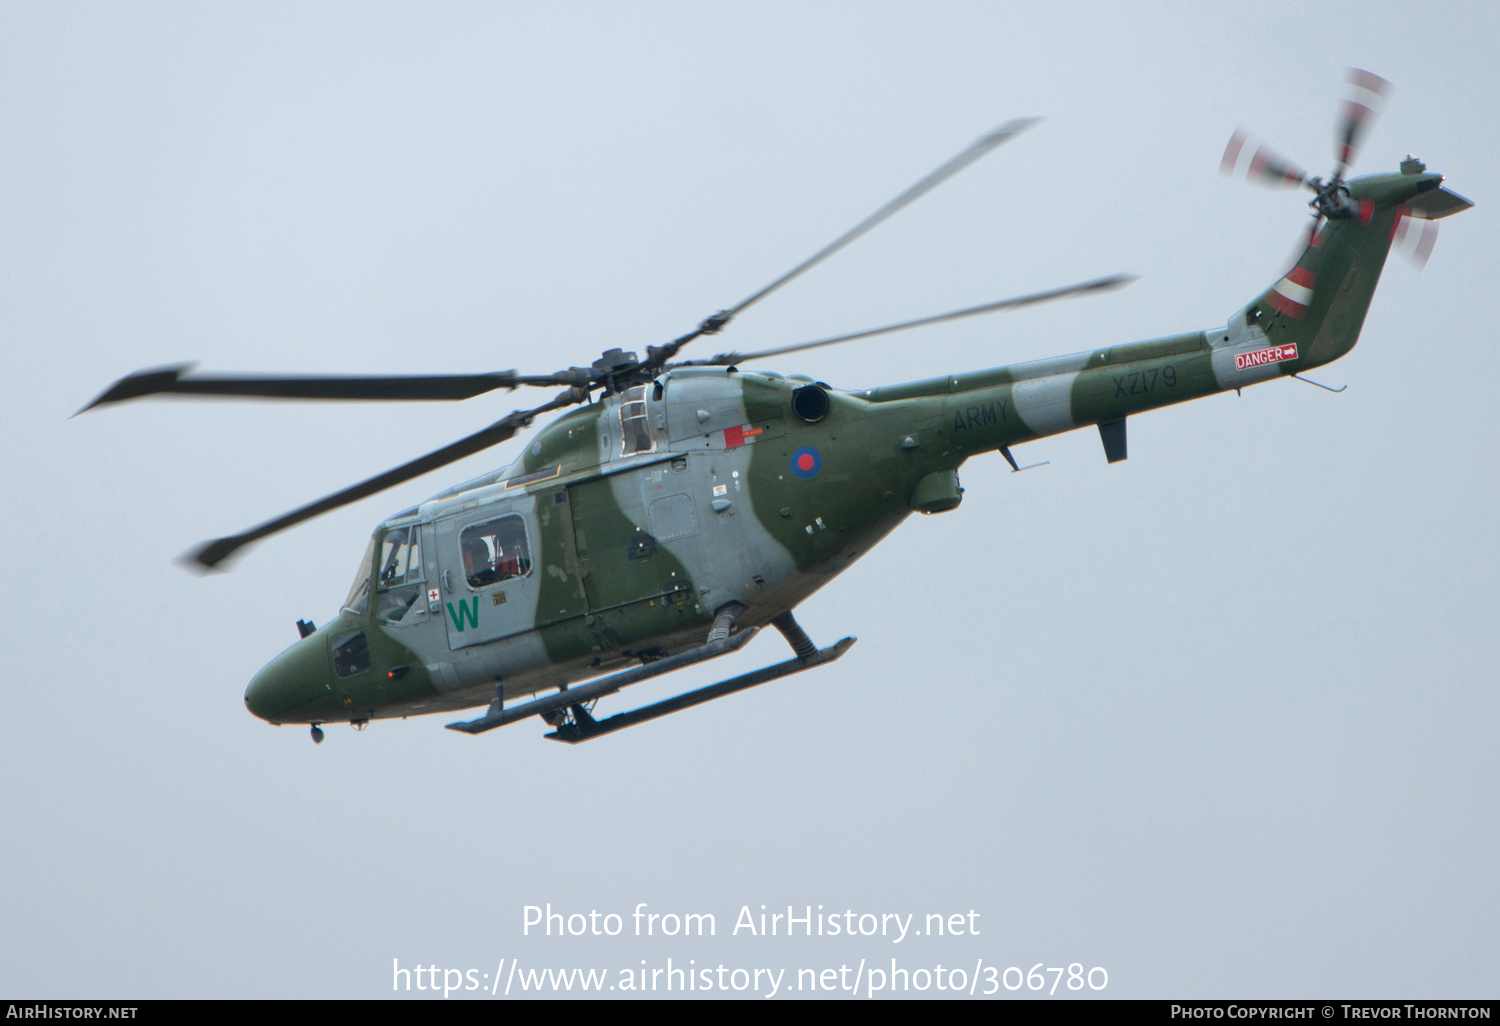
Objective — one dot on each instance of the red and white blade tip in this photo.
(1266, 165)
(1232, 152)
(1365, 94)
(1269, 166)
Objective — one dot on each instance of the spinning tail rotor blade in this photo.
(209, 556)
(1266, 165)
(1425, 242)
(1097, 285)
(1231, 156)
(170, 381)
(981, 146)
(1364, 97)
(1426, 237)
(1270, 167)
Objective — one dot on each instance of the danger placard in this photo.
(1262, 357)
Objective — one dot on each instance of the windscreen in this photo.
(359, 594)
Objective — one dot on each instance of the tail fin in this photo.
(1318, 307)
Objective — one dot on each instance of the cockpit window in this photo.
(635, 429)
(400, 574)
(400, 557)
(495, 551)
(359, 595)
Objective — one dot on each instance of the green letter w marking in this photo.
(464, 612)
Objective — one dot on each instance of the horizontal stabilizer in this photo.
(1436, 203)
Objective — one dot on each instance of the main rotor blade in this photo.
(978, 148)
(170, 381)
(215, 552)
(1114, 281)
(1365, 95)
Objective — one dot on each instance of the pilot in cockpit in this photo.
(478, 566)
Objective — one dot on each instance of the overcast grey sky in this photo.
(1220, 719)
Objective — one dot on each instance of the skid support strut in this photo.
(795, 636)
(724, 622)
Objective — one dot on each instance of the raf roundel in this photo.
(806, 462)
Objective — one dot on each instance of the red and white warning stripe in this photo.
(1293, 294)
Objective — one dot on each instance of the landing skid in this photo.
(584, 727)
(499, 716)
(573, 701)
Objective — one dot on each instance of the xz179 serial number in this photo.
(1143, 381)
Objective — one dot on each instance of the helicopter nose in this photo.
(289, 686)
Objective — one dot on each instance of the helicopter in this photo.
(681, 506)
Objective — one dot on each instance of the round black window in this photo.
(810, 403)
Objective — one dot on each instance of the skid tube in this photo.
(584, 727)
(498, 716)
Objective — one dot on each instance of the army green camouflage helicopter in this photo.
(686, 504)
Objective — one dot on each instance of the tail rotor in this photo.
(1364, 97)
